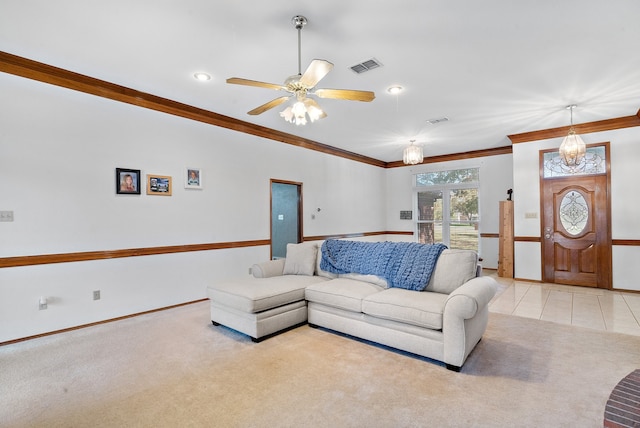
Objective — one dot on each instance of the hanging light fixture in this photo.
(412, 154)
(301, 109)
(572, 149)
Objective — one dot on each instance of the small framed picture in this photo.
(193, 178)
(127, 181)
(159, 185)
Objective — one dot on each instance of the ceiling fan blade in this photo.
(247, 82)
(271, 104)
(345, 94)
(315, 72)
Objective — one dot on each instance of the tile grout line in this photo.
(630, 310)
(571, 315)
(519, 300)
(545, 304)
(604, 319)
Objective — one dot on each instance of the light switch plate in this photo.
(6, 215)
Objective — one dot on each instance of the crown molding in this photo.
(45, 73)
(583, 128)
(457, 156)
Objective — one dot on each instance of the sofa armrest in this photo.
(466, 300)
(465, 318)
(268, 269)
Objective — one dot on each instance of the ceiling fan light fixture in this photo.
(314, 113)
(394, 90)
(573, 149)
(299, 112)
(412, 154)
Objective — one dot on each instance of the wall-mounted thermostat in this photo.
(406, 215)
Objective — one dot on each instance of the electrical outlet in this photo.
(96, 295)
(530, 215)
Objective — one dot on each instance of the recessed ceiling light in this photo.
(203, 77)
(395, 89)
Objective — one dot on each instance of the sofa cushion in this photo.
(454, 268)
(341, 293)
(422, 309)
(373, 279)
(301, 259)
(259, 294)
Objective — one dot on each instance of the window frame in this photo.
(445, 189)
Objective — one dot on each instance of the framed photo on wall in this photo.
(127, 181)
(159, 185)
(193, 178)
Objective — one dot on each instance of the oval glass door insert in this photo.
(574, 212)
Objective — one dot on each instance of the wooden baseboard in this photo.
(64, 330)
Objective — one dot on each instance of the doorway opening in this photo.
(286, 216)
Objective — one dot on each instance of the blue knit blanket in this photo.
(403, 264)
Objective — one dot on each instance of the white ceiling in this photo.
(493, 67)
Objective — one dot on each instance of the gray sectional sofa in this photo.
(443, 322)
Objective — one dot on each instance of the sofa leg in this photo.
(215, 323)
(453, 368)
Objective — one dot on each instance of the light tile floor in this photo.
(598, 309)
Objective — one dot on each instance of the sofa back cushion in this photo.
(301, 259)
(319, 270)
(454, 268)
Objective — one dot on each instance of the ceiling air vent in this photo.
(434, 121)
(367, 65)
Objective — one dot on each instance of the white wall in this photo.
(625, 152)
(495, 180)
(58, 154)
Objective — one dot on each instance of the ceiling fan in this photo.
(301, 86)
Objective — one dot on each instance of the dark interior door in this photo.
(286, 216)
(576, 231)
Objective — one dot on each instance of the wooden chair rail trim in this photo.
(114, 254)
(489, 235)
(527, 239)
(626, 242)
(356, 235)
(44, 259)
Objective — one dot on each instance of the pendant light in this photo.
(412, 154)
(572, 149)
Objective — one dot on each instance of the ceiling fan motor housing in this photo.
(299, 21)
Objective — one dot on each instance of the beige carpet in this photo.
(173, 368)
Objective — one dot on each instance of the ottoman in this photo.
(260, 307)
